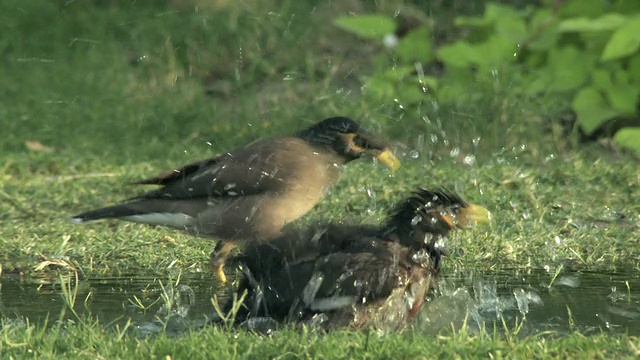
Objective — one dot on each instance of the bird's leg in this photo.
(219, 257)
(419, 285)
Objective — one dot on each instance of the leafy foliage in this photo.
(584, 51)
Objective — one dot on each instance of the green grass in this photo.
(120, 91)
(90, 341)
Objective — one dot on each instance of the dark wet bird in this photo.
(250, 193)
(353, 276)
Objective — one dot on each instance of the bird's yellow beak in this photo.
(469, 215)
(473, 214)
(389, 160)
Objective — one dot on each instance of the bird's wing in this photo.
(255, 169)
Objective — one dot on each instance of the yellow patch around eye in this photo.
(449, 219)
(349, 140)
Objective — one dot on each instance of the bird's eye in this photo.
(361, 142)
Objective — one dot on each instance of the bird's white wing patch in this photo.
(332, 303)
(175, 220)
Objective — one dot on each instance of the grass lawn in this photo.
(96, 94)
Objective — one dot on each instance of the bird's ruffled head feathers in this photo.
(435, 212)
(349, 140)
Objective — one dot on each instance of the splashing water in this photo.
(597, 302)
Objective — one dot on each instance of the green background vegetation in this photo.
(96, 94)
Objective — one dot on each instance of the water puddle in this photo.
(546, 300)
(585, 301)
(148, 304)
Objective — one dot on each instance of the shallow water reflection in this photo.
(587, 301)
(150, 304)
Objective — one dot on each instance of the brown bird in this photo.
(354, 276)
(250, 193)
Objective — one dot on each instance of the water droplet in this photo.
(569, 281)
(358, 284)
(416, 219)
(317, 320)
(428, 239)
(370, 193)
(521, 300)
(558, 240)
(469, 160)
(420, 141)
(414, 154)
(311, 289)
(534, 298)
(455, 152)
(261, 325)
(390, 41)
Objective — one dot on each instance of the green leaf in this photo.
(495, 52)
(493, 14)
(601, 78)
(623, 98)
(470, 21)
(409, 93)
(398, 73)
(624, 95)
(400, 84)
(633, 68)
(628, 137)
(367, 26)
(458, 54)
(592, 109)
(570, 67)
(594, 42)
(428, 83)
(379, 88)
(606, 22)
(539, 83)
(512, 28)
(626, 7)
(457, 87)
(620, 93)
(624, 41)
(498, 12)
(415, 46)
(575, 8)
(492, 53)
(546, 29)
